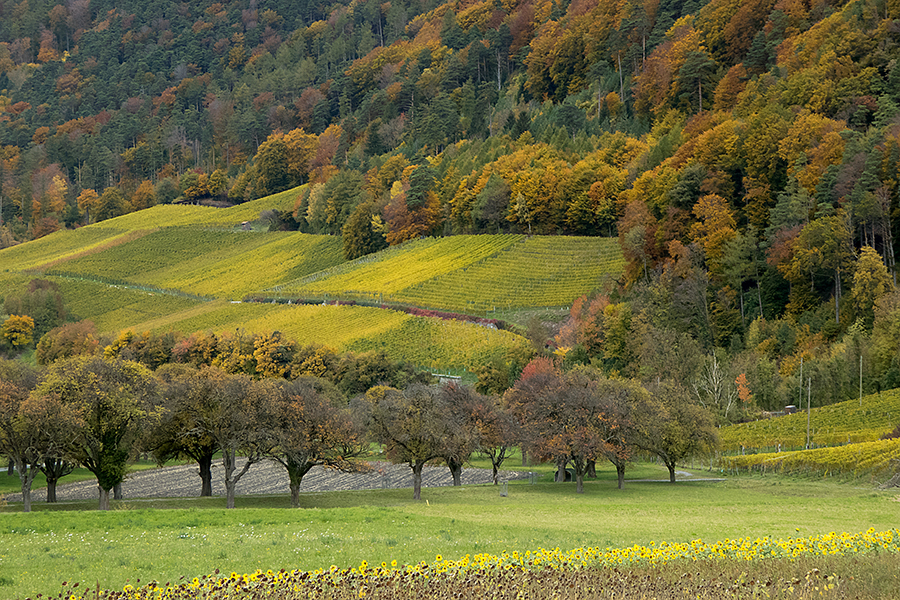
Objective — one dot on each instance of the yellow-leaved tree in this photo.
(871, 281)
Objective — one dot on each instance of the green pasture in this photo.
(168, 539)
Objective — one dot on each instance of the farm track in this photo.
(265, 478)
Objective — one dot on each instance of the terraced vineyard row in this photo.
(435, 343)
(398, 268)
(865, 458)
(208, 262)
(841, 423)
(540, 271)
(113, 307)
(179, 215)
(471, 274)
(57, 245)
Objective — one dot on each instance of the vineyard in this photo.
(400, 267)
(168, 215)
(471, 274)
(539, 271)
(863, 459)
(114, 307)
(175, 268)
(55, 246)
(436, 343)
(842, 423)
(208, 262)
(426, 342)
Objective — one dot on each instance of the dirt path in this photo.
(266, 478)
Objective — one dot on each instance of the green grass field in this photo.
(168, 539)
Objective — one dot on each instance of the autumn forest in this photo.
(745, 153)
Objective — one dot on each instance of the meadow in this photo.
(165, 540)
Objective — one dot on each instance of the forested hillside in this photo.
(744, 152)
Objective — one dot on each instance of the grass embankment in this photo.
(345, 528)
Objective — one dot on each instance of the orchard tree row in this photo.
(99, 413)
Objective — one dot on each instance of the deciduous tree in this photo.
(681, 428)
(185, 394)
(412, 424)
(315, 427)
(18, 331)
(871, 281)
(113, 400)
(239, 420)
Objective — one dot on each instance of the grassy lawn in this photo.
(168, 539)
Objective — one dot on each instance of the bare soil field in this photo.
(266, 478)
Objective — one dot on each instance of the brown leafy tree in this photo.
(315, 428)
(184, 395)
(412, 425)
(71, 339)
(241, 421)
(462, 439)
(564, 417)
(627, 411)
(498, 431)
(15, 436)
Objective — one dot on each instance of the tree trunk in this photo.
(417, 479)
(51, 489)
(26, 498)
(296, 470)
(205, 464)
(561, 469)
(10, 468)
(837, 296)
(26, 477)
(54, 469)
(229, 493)
(104, 499)
(671, 467)
(295, 494)
(592, 469)
(229, 463)
(620, 472)
(495, 471)
(580, 468)
(455, 471)
(117, 491)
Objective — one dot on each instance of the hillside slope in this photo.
(182, 268)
